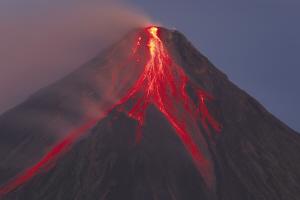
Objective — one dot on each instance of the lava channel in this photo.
(163, 84)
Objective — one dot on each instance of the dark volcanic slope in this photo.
(28, 130)
(256, 156)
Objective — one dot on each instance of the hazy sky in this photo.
(255, 42)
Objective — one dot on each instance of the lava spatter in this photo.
(163, 84)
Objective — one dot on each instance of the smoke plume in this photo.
(41, 41)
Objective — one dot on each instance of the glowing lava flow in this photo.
(162, 84)
(48, 159)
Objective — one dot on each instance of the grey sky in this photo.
(255, 42)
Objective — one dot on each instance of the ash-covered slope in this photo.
(254, 157)
(31, 128)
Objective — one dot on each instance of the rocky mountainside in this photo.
(253, 157)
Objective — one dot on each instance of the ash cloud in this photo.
(42, 42)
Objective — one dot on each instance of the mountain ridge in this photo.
(237, 112)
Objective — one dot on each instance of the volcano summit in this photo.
(161, 123)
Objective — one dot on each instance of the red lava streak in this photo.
(163, 84)
(48, 158)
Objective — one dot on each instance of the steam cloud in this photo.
(41, 42)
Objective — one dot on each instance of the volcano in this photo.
(148, 118)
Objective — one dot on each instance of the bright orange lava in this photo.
(162, 84)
